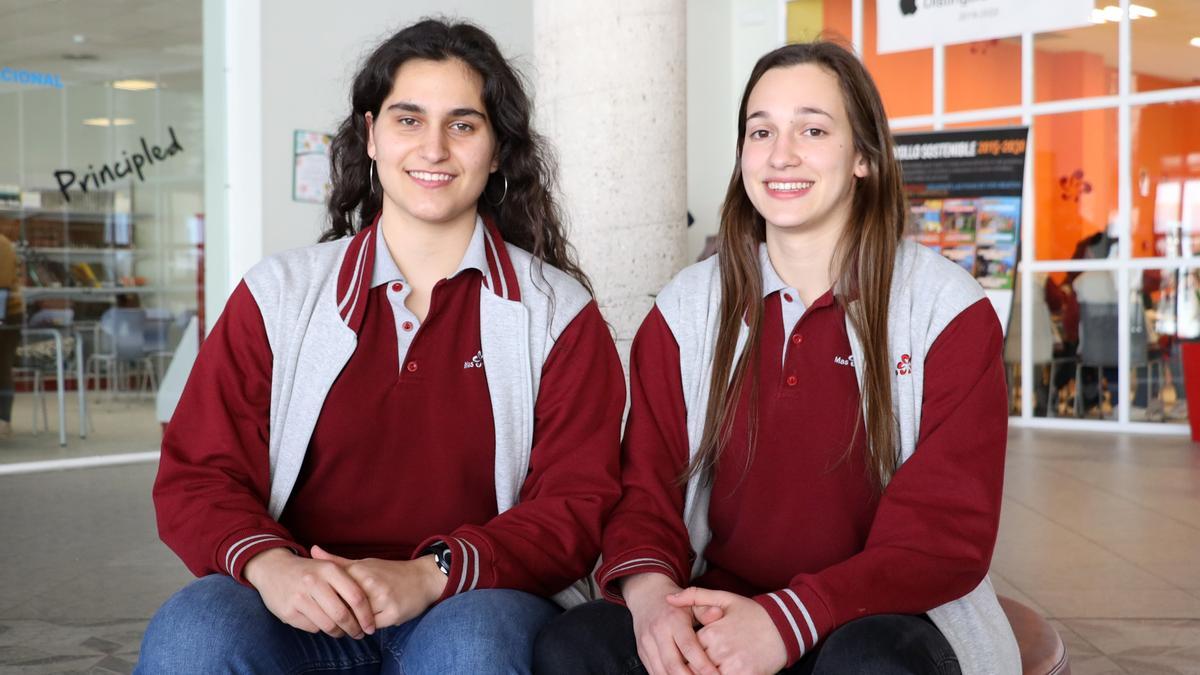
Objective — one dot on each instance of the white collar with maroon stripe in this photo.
(485, 252)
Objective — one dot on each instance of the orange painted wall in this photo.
(987, 74)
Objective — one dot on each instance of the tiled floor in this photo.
(1099, 533)
(1102, 535)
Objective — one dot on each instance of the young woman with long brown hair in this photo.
(397, 446)
(813, 460)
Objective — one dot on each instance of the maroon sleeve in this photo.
(932, 538)
(551, 537)
(213, 473)
(645, 533)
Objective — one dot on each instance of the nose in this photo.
(433, 145)
(784, 152)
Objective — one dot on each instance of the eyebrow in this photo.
(456, 112)
(802, 110)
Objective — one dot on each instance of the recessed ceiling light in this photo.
(78, 39)
(1195, 42)
(106, 122)
(134, 85)
(1113, 13)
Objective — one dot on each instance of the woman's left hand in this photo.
(740, 639)
(399, 590)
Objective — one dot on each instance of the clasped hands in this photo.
(339, 596)
(736, 636)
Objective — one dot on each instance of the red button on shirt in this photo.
(787, 296)
(791, 380)
(407, 325)
(397, 287)
(797, 339)
(412, 366)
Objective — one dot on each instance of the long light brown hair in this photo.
(861, 266)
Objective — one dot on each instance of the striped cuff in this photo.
(245, 547)
(609, 574)
(795, 620)
(464, 564)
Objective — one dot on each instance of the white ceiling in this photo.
(129, 38)
(1159, 45)
(148, 38)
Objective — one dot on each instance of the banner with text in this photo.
(964, 191)
(917, 24)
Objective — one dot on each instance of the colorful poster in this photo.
(310, 167)
(964, 191)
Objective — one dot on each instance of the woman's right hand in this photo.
(666, 636)
(312, 595)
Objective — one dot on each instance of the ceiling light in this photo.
(106, 122)
(78, 39)
(1138, 11)
(1195, 42)
(134, 85)
(1113, 13)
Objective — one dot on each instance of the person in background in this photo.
(814, 454)
(10, 328)
(397, 447)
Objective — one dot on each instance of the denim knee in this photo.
(480, 631)
(212, 625)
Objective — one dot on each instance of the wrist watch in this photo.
(441, 556)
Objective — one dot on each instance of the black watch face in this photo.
(442, 556)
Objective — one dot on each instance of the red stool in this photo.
(1042, 650)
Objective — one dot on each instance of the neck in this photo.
(803, 258)
(425, 252)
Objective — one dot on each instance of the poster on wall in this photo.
(964, 191)
(918, 24)
(310, 166)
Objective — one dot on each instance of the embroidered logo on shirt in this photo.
(844, 360)
(475, 362)
(904, 367)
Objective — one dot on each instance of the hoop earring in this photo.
(505, 194)
(371, 173)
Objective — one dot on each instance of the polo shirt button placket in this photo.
(791, 380)
(412, 366)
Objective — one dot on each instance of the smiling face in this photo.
(432, 142)
(798, 159)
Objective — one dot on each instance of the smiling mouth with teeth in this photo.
(782, 187)
(431, 177)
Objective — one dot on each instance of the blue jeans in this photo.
(216, 625)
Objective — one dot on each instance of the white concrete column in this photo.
(611, 96)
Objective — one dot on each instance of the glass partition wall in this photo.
(1108, 284)
(101, 197)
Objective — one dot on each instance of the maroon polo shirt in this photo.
(809, 479)
(408, 422)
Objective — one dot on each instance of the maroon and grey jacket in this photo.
(311, 302)
(659, 527)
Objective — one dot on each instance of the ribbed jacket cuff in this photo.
(629, 564)
(240, 547)
(465, 564)
(799, 616)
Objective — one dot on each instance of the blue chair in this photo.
(120, 348)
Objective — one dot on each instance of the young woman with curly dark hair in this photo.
(397, 446)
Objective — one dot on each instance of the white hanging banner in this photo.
(916, 24)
